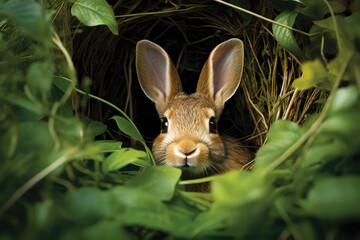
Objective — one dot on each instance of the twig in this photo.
(264, 18)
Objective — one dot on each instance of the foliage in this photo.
(60, 183)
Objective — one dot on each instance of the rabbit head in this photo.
(188, 137)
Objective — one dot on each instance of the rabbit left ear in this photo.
(157, 74)
(221, 74)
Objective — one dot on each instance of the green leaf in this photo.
(285, 36)
(334, 198)
(124, 157)
(30, 17)
(282, 135)
(314, 75)
(95, 128)
(39, 79)
(126, 127)
(95, 12)
(158, 181)
(62, 83)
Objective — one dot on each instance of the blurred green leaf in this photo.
(25, 109)
(281, 136)
(43, 215)
(95, 128)
(306, 230)
(106, 230)
(70, 128)
(344, 99)
(136, 207)
(107, 145)
(95, 12)
(325, 152)
(158, 181)
(89, 204)
(126, 127)
(345, 125)
(95, 150)
(285, 36)
(124, 157)
(334, 198)
(28, 142)
(30, 17)
(250, 187)
(317, 9)
(329, 44)
(314, 75)
(39, 79)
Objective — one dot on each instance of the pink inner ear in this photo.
(222, 62)
(157, 67)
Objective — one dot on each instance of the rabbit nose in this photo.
(187, 153)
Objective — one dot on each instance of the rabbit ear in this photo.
(157, 74)
(221, 74)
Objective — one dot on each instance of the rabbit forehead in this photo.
(189, 112)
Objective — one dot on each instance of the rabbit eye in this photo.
(212, 125)
(164, 125)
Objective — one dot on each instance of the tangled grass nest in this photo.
(189, 30)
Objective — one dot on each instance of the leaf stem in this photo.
(198, 180)
(335, 25)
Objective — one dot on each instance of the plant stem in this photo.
(67, 93)
(287, 219)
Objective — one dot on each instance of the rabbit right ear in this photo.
(157, 74)
(221, 74)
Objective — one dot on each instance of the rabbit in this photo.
(189, 137)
